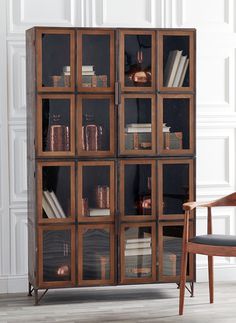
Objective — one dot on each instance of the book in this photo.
(99, 212)
(183, 73)
(138, 252)
(47, 208)
(171, 67)
(139, 240)
(173, 140)
(87, 68)
(58, 205)
(88, 73)
(52, 204)
(179, 71)
(139, 125)
(138, 129)
(166, 129)
(138, 245)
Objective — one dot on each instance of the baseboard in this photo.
(14, 284)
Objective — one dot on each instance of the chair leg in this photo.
(211, 278)
(182, 282)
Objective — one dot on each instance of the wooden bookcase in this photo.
(111, 154)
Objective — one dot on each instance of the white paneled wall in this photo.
(215, 21)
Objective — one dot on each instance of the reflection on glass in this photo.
(175, 124)
(56, 70)
(56, 124)
(138, 252)
(138, 60)
(138, 123)
(96, 191)
(175, 187)
(96, 61)
(172, 250)
(96, 124)
(176, 61)
(56, 255)
(137, 194)
(96, 254)
(56, 192)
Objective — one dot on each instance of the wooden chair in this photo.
(210, 244)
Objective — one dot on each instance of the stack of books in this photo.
(52, 206)
(90, 79)
(99, 212)
(175, 69)
(138, 127)
(138, 247)
(138, 136)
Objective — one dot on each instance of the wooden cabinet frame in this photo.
(138, 152)
(98, 32)
(89, 219)
(39, 140)
(94, 282)
(121, 60)
(173, 161)
(123, 279)
(51, 284)
(56, 31)
(192, 58)
(173, 152)
(40, 166)
(167, 278)
(99, 153)
(122, 165)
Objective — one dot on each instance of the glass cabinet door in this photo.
(175, 187)
(137, 63)
(56, 54)
(96, 123)
(170, 252)
(56, 192)
(138, 255)
(137, 189)
(137, 124)
(96, 60)
(56, 128)
(96, 254)
(96, 193)
(56, 256)
(176, 124)
(176, 68)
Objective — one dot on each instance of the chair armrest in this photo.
(189, 206)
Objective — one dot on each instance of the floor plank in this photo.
(144, 303)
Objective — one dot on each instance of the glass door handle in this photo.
(117, 93)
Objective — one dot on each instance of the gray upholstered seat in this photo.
(215, 240)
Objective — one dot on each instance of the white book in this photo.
(179, 71)
(139, 240)
(171, 67)
(183, 73)
(166, 129)
(138, 252)
(139, 130)
(58, 205)
(141, 245)
(99, 212)
(47, 208)
(87, 68)
(139, 125)
(88, 73)
(52, 204)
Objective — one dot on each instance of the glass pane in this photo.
(138, 252)
(172, 250)
(56, 67)
(56, 255)
(96, 254)
(96, 61)
(96, 195)
(176, 124)
(56, 195)
(138, 60)
(96, 124)
(56, 124)
(138, 189)
(175, 187)
(176, 61)
(138, 124)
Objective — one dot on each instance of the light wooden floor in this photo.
(144, 303)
